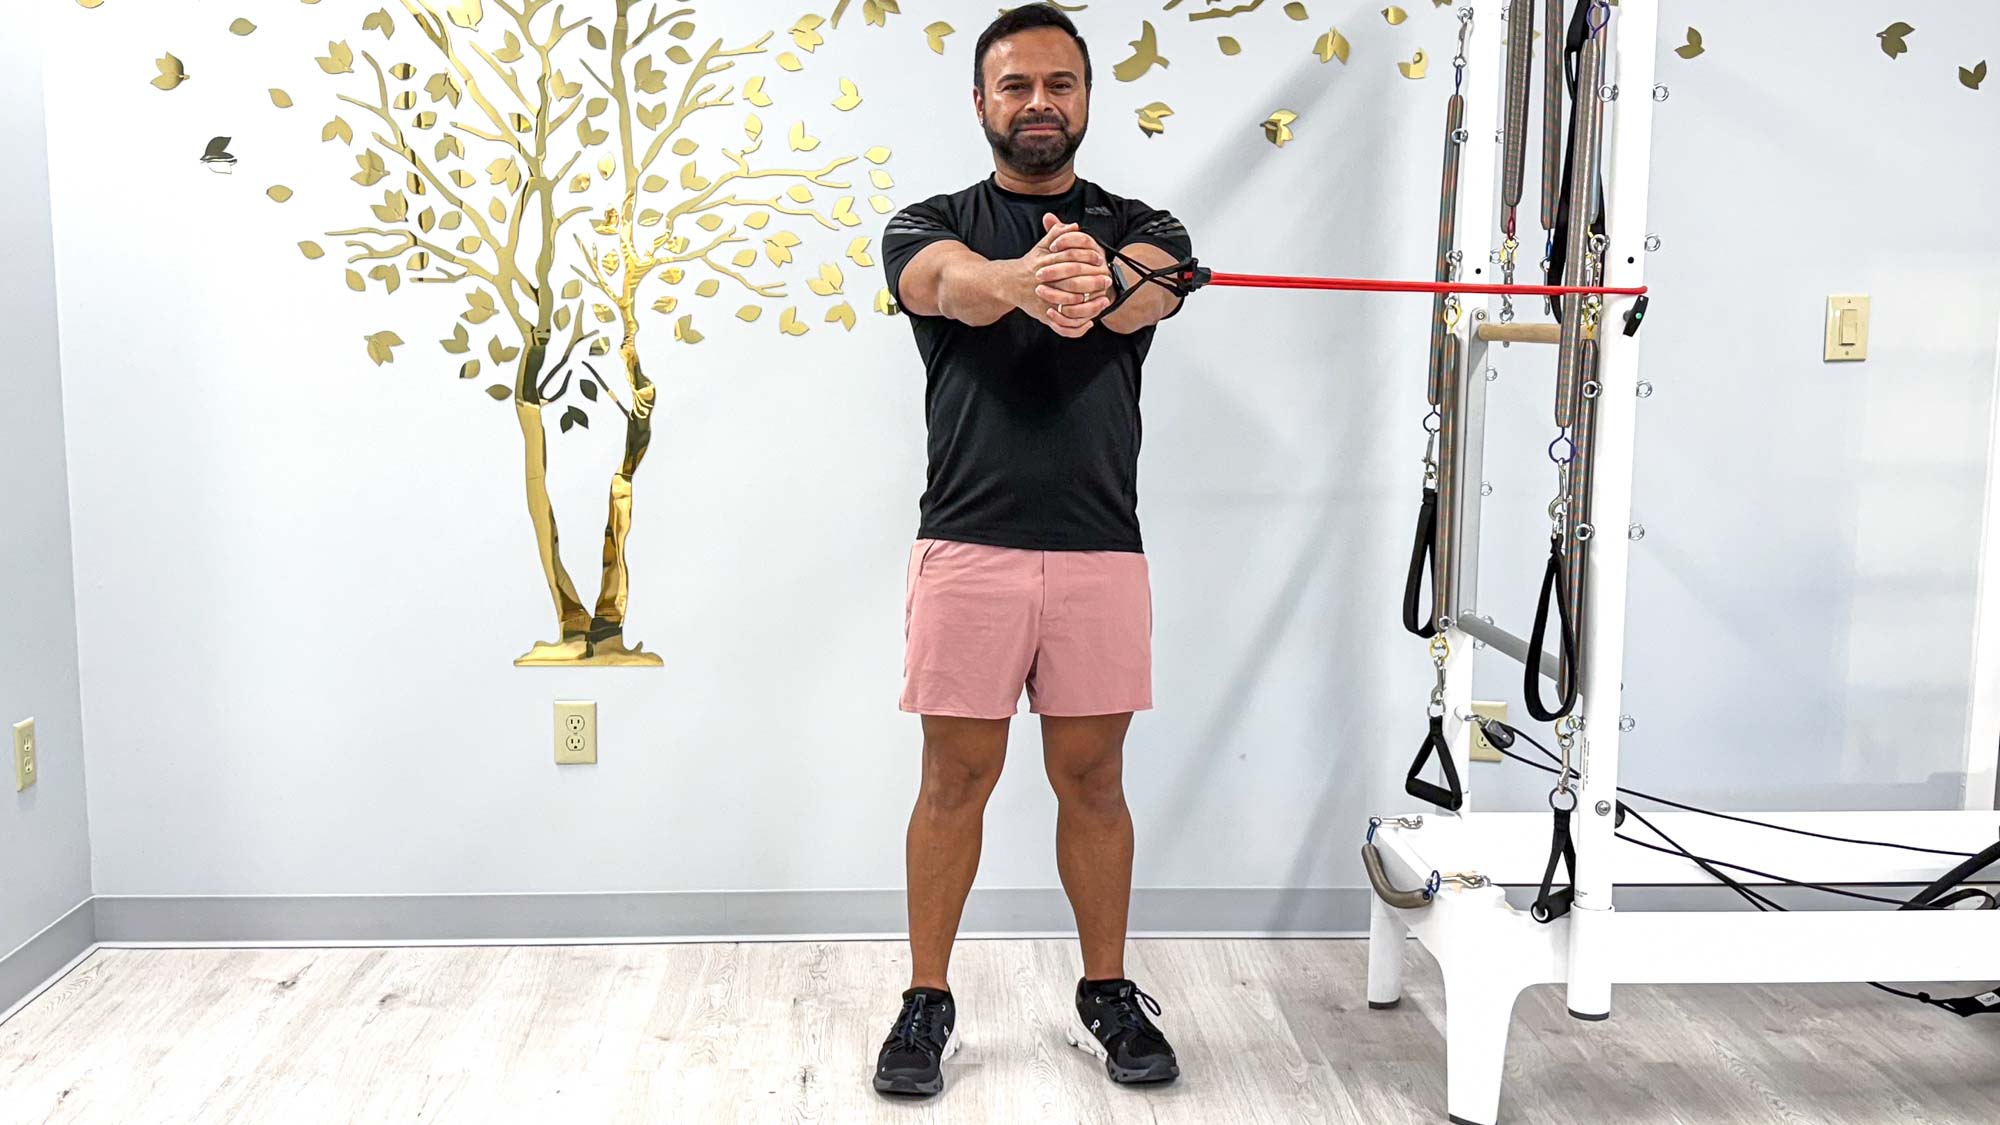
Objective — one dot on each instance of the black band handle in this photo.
(1451, 795)
(1531, 682)
(1552, 904)
(1180, 279)
(1422, 553)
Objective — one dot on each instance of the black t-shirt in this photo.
(1034, 437)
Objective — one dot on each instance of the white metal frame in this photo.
(1488, 950)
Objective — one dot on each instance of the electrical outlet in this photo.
(576, 733)
(1482, 750)
(24, 754)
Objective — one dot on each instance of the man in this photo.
(1028, 570)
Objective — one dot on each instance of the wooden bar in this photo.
(1521, 333)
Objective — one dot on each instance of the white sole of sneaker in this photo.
(1081, 1038)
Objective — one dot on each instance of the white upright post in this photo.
(1982, 718)
(1634, 34)
(1478, 193)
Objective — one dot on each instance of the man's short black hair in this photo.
(1025, 18)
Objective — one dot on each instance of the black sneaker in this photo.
(1112, 1024)
(925, 1035)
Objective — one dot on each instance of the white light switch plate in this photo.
(1846, 329)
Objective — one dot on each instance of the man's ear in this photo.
(979, 105)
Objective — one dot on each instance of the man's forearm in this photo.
(976, 291)
(1151, 303)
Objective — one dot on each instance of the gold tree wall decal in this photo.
(566, 206)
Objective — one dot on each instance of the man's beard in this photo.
(1038, 156)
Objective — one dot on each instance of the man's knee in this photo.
(961, 765)
(1096, 787)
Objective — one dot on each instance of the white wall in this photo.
(303, 577)
(44, 836)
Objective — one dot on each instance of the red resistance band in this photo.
(1374, 285)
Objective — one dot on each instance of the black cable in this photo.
(1746, 820)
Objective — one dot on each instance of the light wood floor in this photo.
(1267, 1031)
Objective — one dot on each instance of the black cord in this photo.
(1747, 819)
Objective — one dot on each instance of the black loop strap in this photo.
(1531, 682)
(1181, 278)
(1451, 795)
(1422, 554)
(1552, 904)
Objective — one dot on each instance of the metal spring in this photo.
(1454, 121)
(1584, 145)
(1582, 468)
(1447, 478)
(1553, 34)
(1520, 73)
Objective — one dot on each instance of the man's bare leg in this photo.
(1085, 759)
(962, 760)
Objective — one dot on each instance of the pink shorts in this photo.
(980, 623)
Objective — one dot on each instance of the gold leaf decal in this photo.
(1416, 67)
(801, 142)
(1394, 15)
(90, 3)
(500, 354)
(607, 166)
(419, 261)
(426, 119)
(238, 26)
(806, 33)
(841, 314)
(843, 212)
(1693, 46)
(337, 129)
(451, 220)
(1297, 11)
(857, 252)
(380, 21)
(603, 313)
(172, 73)
(1153, 118)
(467, 13)
(789, 323)
(756, 220)
(850, 96)
(442, 89)
(469, 244)
(799, 193)
(708, 288)
(744, 259)
(881, 204)
(510, 49)
(280, 193)
(311, 250)
(684, 330)
(748, 314)
(708, 222)
(1229, 45)
(935, 35)
(1971, 79)
(881, 179)
(877, 155)
(653, 116)
(1895, 38)
(465, 179)
(390, 277)
(580, 184)
(403, 72)
(681, 30)
(1278, 127)
(789, 61)
(339, 59)
(666, 304)
(498, 393)
(217, 157)
(753, 126)
(1333, 45)
(356, 282)
(886, 304)
(778, 248)
(877, 12)
(479, 306)
(690, 179)
(829, 281)
(460, 342)
(450, 146)
(379, 346)
(470, 370)
(281, 99)
(372, 169)
(428, 219)
(393, 208)
(1145, 55)
(651, 79)
(753, 92)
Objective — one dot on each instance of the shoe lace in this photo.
(915, 1023)
(1128, 1016)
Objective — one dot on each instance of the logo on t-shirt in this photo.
(1094, 210)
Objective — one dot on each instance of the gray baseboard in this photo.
(700, 915)
(37, 961)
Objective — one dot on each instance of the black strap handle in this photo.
(1423, 553)
(1552, 904)
(1180, 279)
(1451, 795)
(1531, 682)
